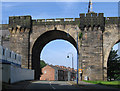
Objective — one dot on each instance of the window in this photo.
(45, 72)
(3, 51)
(15, 56)
(10, 55)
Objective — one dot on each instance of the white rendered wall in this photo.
(5, 73)
(0, 76)
(11, 67)
(11, 73)
(19, 74)
(56, 74)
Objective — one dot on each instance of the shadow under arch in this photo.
(42, 41)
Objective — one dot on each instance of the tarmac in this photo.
(82, 85)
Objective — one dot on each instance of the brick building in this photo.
(57, 73)
(49, 73)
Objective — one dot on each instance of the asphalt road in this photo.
(51, 85)
(56, 85)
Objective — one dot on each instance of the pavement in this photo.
(85, 85)
(15, 86)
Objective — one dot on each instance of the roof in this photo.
(61, 68)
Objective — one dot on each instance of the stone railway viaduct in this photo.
(97, 35)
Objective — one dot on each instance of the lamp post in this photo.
(72, 74)
(72, 59)
(77, 55)
(77, 58)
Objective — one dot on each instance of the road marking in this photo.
(51, 85)
(69, 83)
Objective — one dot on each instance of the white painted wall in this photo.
(12, 73)
(19, 74)
(56, 74)
(5, 73)
(0, 76)
(11, 67)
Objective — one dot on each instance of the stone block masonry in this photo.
(28, 38)
(19, 28)
(92, 27)
(92, 54)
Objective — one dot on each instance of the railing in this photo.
(9, 57)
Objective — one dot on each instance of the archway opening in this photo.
(54, 61)
(113, 63)
(40, 44)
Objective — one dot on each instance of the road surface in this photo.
(51, 85)
(56, 85)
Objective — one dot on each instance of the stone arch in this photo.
(41, 41)
(115, 42)
(110, 38)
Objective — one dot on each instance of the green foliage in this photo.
(113, 70)
(42, 64)
(80, 35)
(104, 82)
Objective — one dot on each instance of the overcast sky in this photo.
(56, 51)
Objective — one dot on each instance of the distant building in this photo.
(57, 73)
(49, 73)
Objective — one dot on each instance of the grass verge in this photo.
(106, 83)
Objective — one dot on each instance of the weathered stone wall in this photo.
(111, 36)
(28, 37)
(92, 26)
(92, 58)
(19, 28)
(20, 44)
(43, 34)
(4, 35)
(38, 30)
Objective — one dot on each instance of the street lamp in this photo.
(77, 58)
(77, 54)
(72, 59)
(72, 74)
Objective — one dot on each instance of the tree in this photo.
(113, 70)
(42, 64)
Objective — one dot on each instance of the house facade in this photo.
(57, 73)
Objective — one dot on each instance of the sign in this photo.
(80, 70)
